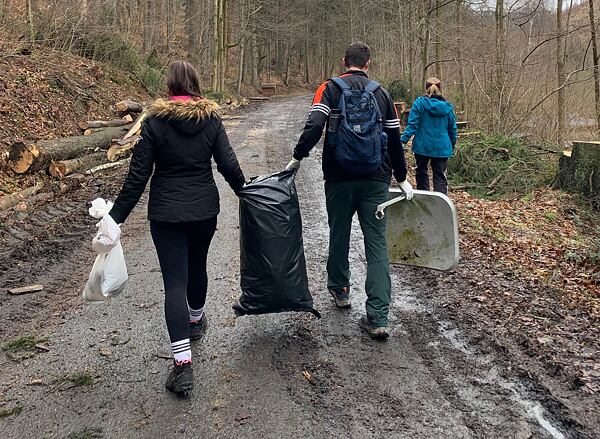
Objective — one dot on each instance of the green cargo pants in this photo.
(344, 199)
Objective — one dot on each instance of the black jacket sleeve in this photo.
(317, 119)
(391, 125)
(140, 171)
(226, 160)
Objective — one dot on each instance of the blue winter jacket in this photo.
(433, 124)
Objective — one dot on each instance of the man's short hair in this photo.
(357, 55)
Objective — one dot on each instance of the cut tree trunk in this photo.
(136, 127)
(121, 149)
(84, 125)
(124, 146)
(23, 158)
(62, 168)
(128, 106)
(91, 131)
(566, 170)
(579, 171)
(106, 166)
(9, 201)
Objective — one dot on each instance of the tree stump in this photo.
(579, 170)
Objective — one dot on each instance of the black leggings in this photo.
(438, 167)
(182, 250)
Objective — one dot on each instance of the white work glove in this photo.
(294, 164)
(407, 189)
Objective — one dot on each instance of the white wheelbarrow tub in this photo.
(422, 232)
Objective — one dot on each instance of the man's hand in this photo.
(407, 189)
(294, 164)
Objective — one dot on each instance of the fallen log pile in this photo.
(34, 157)
(10, 201)
(128, 107)
(95, 124)
(61, 157)
(62, 168)
(124, 146)
(103, 144)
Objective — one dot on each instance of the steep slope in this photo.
(45, 94)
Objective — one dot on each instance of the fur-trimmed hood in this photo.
(192, 110)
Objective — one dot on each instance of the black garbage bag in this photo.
(273, 267)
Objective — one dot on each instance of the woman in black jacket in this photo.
(179, 138)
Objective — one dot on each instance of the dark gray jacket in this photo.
(178, 142)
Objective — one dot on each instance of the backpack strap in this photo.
(372, 86)
(340, 83)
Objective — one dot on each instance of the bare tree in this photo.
(424, 37)
(216, 55)
(595, 62)
(496, 59)
(499, 62)
(560, 73)
(30, 27)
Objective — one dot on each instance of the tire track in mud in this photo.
(426, 382)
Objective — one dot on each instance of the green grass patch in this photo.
(9, 412)
(550, 216)
(527, 198)
(495, 166)
(23, 345)
(81, 379)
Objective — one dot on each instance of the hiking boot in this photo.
(341, 296)
(181, 378)
(376, 333)
(198, 329)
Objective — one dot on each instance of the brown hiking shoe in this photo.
(375, 332)
(341, 297)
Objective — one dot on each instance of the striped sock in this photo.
(196, 314)
(181, 351)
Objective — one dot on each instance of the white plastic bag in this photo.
(109, 272)
(100, 207)
(108, 235)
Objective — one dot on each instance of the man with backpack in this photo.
(362, 148)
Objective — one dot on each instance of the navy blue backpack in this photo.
(360, 142)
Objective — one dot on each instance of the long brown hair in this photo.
(433, 87)
(182, 80)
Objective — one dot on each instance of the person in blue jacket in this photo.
(433, 124)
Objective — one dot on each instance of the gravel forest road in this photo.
(104, 373)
